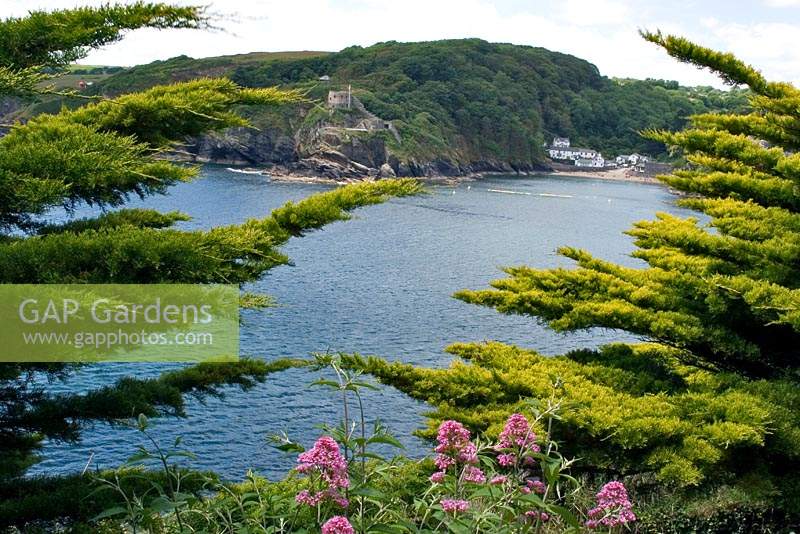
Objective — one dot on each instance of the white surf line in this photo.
(506, 191)
(555, 195)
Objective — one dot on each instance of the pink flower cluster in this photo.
(338, 525)
(533, 515)
(516, 434)
(474, 475)
(454, 445)
(325, 459)
(455, 448)
(536, 485)
(613, 507)
(454, 505)
(437, 477)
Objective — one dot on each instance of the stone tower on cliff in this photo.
(340, 99)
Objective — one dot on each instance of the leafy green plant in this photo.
(145, 510)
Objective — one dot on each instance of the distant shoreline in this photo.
(618, 175)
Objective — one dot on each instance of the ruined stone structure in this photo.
(340, 99)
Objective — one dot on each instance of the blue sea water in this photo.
(378, 284)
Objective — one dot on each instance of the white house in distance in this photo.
(597, 162)
(581, 157)
(631, 160)
(561, 142)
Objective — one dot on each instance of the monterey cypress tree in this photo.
(713, 397)
(101, 154)
(726, 299)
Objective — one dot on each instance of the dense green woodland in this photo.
(465, 100)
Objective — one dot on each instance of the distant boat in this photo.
(244, 171)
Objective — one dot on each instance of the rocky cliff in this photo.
(433, 108)
(332, 143)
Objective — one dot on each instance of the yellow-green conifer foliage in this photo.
(101, 154)
(715, 397)
(723, 292)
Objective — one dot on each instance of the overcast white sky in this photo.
(765, 33)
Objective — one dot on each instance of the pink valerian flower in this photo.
(506, 460)
(437, 477)
(338, 525)
(468, 454)
(613, 507)
(325, 459)
(536, 485)
(454, 446)
(338, 498)
(516, 434)
(533, 515)
(498, 480)
(442, 462)
(454, 505)
(451, 437)
(305, 497)
(474, 475)
(613, 494)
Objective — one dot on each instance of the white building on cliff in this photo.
(561, 142)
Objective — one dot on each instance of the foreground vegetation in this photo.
(519, 481)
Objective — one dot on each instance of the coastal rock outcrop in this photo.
(353, 146)
(244, 146)
(386, 171)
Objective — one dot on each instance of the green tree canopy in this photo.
(463, 100)
(101, 154)
(713, 398)
(723, 292)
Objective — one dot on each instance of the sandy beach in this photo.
(620, 174)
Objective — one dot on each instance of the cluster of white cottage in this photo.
(561, 150)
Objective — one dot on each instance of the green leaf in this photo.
(566, 515)
(386, 439)
(531, 498)
(328, 383)
(110, 512)
(368, 492)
